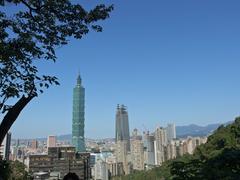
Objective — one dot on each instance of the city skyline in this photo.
(183, 64)
(162, 89)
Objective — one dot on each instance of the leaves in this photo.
(32, 34)
(219, 158)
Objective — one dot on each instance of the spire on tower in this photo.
(79, 80)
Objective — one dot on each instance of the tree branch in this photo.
(29, 7)
(12, 115)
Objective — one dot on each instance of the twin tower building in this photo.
(78, 118)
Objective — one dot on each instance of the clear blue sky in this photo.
(168, 61)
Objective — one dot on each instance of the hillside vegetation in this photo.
(218, 159)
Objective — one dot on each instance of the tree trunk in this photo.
(12, 115)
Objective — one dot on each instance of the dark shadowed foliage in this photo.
(218, 159)
(71, 176)
(30, 36)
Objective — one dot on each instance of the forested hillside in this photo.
(218, 159)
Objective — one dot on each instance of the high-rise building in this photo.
(149, 159)
(159, 143)
(123, 156)
(137, 154)
(115, 168)
(51, 141)
(101, 170)
(170, 151)
(78, 116)
(189, 144)
(5, 147)
(171, 132)
(18, 142)
(122, 126)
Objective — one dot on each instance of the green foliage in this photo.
(18, 171)
(29, 37)
(33, 34)
(4, 169)
(13, 170)
(218, 159)
(158, 173)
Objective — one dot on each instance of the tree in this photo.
(30, 36)
(5, 170)
(18, 171)
(219, 158)
(12, 170)
(71, 176)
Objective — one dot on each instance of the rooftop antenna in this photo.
(144, 128)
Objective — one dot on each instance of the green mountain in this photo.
(218, 159)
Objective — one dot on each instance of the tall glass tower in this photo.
(78, 116)
(122, 126)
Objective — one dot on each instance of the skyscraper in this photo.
(5, 147)
(122, 126)
(171, 132)
(78, 116)
(159, 144)
(149, 158)
(137, 151)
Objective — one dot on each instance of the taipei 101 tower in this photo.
(78, 116)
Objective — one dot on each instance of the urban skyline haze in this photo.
(167, 61)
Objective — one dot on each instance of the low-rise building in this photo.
(62, 160)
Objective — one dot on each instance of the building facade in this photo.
(137, 151)
(51, 141)
(148, 141)
(159, 144)
(101, 170)
(61, 160)
(34, 144)
(5, 147)
(171, 132)
(122, 126)
(78, 116)
(123, 156)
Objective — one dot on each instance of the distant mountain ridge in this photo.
(181, 132)
(196, 130)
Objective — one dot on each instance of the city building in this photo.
(137, 153)
(190, 145)
(51, 141)
(18, 142)
(5, 147)
(61, 160)
(171, 132)
(123, 156)
(148, 142)
(170, 151)
(78, 116)
(101, 170)
(34, 144)
(160, 142)
(114, 168)
(122, 126)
